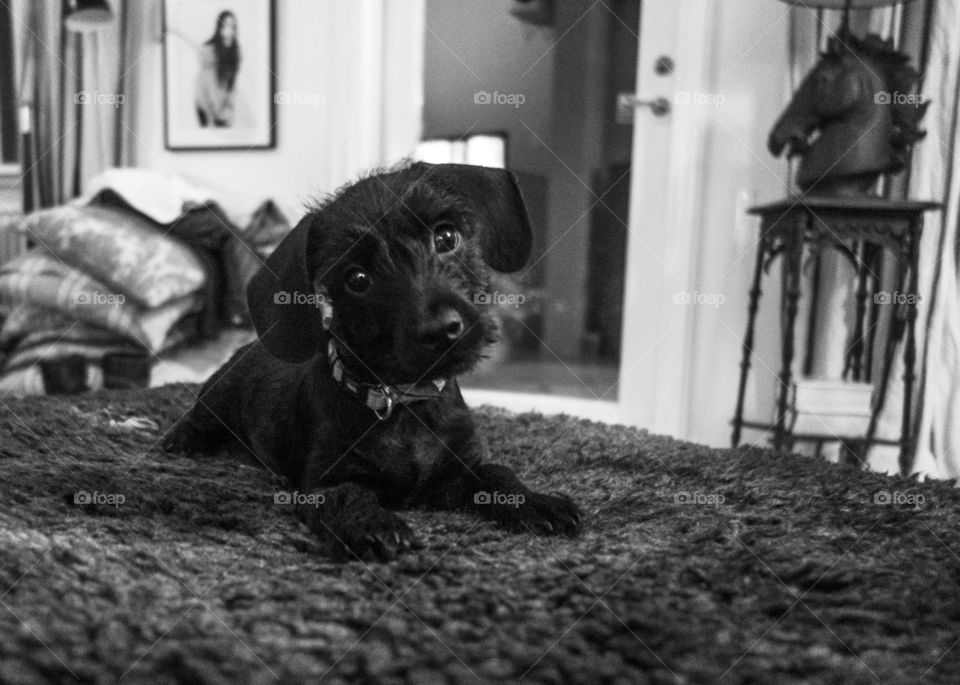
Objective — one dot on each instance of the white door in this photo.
(665, 204)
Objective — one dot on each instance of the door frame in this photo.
(656, 360)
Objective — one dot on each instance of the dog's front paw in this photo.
(179, 438)
(542, 514)
(192, 438)
(379, 534)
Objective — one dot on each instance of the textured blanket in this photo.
(121, 563)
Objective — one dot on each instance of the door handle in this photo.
(658, 106)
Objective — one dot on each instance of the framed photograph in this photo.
(218, 74)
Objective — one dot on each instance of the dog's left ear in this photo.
(494, 197)
(282, 300)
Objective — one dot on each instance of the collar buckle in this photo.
(384, 413)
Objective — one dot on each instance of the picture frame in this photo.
(219, 75)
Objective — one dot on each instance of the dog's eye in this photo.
(446, 238)
(358, 281)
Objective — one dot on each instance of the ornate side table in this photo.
(860, 229)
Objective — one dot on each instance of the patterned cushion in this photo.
(123, 250)
(40, 279)
(39, 323)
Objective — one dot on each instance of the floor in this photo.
(549, 377)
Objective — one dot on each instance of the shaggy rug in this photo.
(121, 563)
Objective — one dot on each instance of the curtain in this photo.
(79, 113)
(935, 176)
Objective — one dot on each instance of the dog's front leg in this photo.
(493, 491)
(350, 518)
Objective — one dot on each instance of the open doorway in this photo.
(545, 77)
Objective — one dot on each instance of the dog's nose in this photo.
(445, 326)
(452, 324)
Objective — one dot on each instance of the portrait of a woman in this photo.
(219, 74)
(219, 63)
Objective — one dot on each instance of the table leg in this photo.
(875, 267)
(792, 264)
(755, 293)
(854, 361)
(910, 348)
(811, 346)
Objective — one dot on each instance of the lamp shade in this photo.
(843, 4)
(86, 15)
(536, 12)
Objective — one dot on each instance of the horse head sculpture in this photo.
(854, 117)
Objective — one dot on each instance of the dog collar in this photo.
(379, 397)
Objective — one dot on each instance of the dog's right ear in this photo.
(283, 301)
(495, 198)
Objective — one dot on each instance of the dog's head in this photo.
(397, 264)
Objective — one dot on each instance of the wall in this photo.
(577, 140)
(478, 46)
(351, 56)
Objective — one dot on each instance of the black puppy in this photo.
(366, 313)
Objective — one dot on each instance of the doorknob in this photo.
(628, 102)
